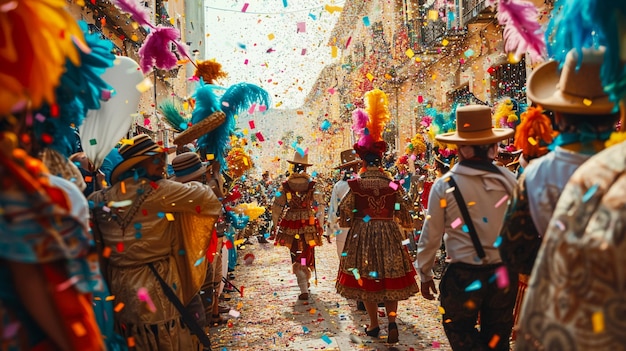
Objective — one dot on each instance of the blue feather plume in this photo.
(236, 99)
(80, 89)
(577, 24)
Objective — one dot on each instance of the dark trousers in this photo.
(462, 308)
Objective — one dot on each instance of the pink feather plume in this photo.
(359, 125)
(137, 11)
(522, 31)
(155, 51)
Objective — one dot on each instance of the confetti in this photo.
(245, 7)
(393, 185)
(79, 329)
(502, 277)
(457, 222)
(597, 321)
(119, 307)
(501, 201)
(366, 21)
(142, 294)
(494, 341)
(366, 218)
(443, 203)
(589, 193)
(144, 85)
(326, 339)
(106, 252)
(498, 241)
(475, 285)
(10, 330)
(587, 102)
(130, 341)
(169, 217)
(234, 313)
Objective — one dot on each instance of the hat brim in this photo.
(543, 90)
(299, 163)
(191, 176)
(199, 129)
(128, 164)
(348, 164)
(488, 136)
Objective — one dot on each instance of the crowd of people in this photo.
(139, 250)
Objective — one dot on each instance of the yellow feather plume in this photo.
(376, 107)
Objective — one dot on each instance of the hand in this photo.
(427, 287)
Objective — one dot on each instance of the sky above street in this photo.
(280, 45)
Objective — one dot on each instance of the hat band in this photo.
(187, 171)
(139, 149)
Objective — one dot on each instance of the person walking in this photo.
(467, 204)
(376, 265)
(350, 164)
(136, 224)
(297, 214)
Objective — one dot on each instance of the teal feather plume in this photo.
(174, 116)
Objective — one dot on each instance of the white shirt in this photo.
(486, 195)
(545, 179)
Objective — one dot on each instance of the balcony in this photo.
(476, 11)
(434, 33)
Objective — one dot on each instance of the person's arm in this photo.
(432, 231)
(331, 225)
(278, 205)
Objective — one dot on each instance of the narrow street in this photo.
(269, 316)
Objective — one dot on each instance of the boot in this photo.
(303, 280)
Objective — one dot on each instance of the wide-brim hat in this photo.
(474, 127)
(576, 88)
(300, 159)
(140, 148)
(199, 129)
(187, 166)
(349, 159)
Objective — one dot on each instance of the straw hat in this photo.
(349, 159)
(299, 159)
(573, 90)
(141, 148)
(187, 166)
(199, 129)
(474, 127)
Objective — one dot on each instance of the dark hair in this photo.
(482, 151)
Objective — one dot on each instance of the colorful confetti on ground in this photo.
(272, 318)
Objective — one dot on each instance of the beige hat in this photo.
(141, 148)
(573, 90)
(299, 159)
(349, 159)
(187, 166)
(474, 127)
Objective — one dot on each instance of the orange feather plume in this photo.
(376, 106)
(534, 132)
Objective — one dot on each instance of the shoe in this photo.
(360, 306)
(262, 240)
(223, 309)
(392, 337)
(303, 296)
(374, 332)
(231, 276)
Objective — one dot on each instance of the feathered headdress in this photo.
(417, 145)
(209, 71)
(156, 49)
(587, 24)
(522, 30)
(534, 133)
(32, 61)
(238, 159)
(236, 99)
(174, 116)
(442, 122)
(81, 88)
(369, 125)
(506, 113)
